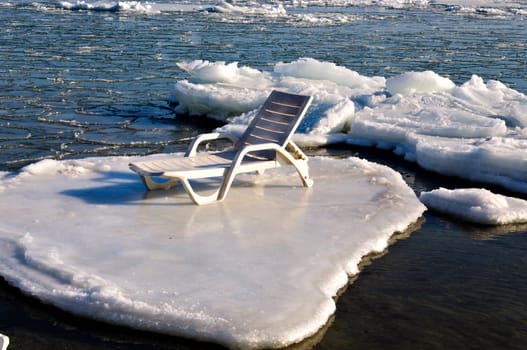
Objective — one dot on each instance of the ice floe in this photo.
(477, 205)
(258, 270)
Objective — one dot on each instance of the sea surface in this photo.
(78, 82)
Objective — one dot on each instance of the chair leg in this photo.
(228, 178)
(199, 199)
(152, 184)
(300, 165)
(303, 171)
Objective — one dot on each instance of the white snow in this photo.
(476, 130)
(477, 205)
(260, 269)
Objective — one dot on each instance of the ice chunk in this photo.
(418, 82)
(110, 6)
(477, 205)
(496, 160)
(309, 68)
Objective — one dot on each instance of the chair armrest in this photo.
(193, 147)
(262, 147)
(291, 152)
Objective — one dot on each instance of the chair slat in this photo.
(264, 137)
(289, 99)
(271, 126)
(276, 118)
(287, 111)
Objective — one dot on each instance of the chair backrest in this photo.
(275, 122)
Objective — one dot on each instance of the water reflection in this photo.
(481, 232)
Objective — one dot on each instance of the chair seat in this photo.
(202, 165)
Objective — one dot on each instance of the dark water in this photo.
(449, 285)
(76, 84)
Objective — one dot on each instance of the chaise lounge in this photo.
(265, 145)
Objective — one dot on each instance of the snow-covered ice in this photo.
(477, 205)
(260, 269)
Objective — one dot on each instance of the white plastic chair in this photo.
(265, 145)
